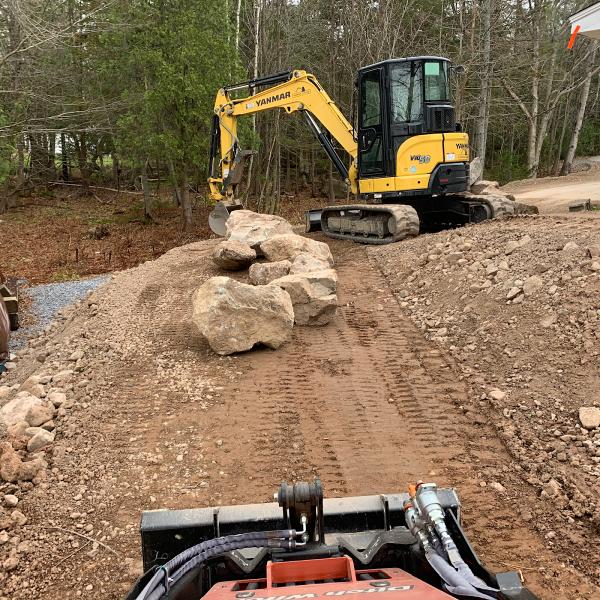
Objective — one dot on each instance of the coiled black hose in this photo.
(172, 571)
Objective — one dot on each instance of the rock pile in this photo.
(298, 274)
(516, 303)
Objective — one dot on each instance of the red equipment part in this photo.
(323, 578)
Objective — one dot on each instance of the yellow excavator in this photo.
(409, 159)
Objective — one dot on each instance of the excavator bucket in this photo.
(220, 214)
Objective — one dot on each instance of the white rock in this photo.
(289, 246)
(263, 273)
(57, 398)
(10, 500)
(63, 376)
(497, 395)
(306, 262)
(549, 321)
(313, 295)
(39, 440)
(589, 416)
(233, 255)
(498, 487)
(254, 228)
(513, 293)
(570, 247)
(77, 355)
(234, 316)
(18, 408)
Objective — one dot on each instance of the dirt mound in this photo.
(516, 304)
(152, 418)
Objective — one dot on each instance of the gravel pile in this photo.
(47, 300)
(517, 305)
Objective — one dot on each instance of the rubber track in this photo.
(407, 223)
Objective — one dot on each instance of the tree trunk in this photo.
(20, 163)
(485, 92)
(64, 158)
(561, 140)
(585, 92)
(186, 204)
(146, 190)
(176, 192)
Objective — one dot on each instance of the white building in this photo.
(586, 22)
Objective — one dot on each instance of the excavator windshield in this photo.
(412, 84)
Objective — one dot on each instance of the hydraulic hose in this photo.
(178, 566)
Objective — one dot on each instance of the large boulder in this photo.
(263, 273)
(254, 228)
(306, 263)
(232, 255)
(22, 406)
(234, 316)
(289, 246)
(313, 295)
(475, 170)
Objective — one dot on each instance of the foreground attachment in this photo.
(410, 545)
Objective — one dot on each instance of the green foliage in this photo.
(171, 59)
(589, 138)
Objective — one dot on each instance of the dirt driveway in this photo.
(554, 194)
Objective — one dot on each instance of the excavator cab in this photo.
(409, 143)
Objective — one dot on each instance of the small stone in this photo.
(513, 293)
(595, 266)
(532, 284)
(548, 321)
(570, 246)
(57, 398)
(589, 416)
(77, 355)
(511, 246)
(18, 518)
(497, 395)
(41, 439)
(63, 376)
(498, 487)
(10, 500)
(11, 563)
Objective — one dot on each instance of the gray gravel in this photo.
(47, 300)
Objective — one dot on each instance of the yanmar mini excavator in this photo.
(409, 159)
(403, 546)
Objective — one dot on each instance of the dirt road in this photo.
(157, 420)
(555, 194)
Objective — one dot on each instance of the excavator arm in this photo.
(291, 91)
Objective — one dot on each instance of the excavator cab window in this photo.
(406, 82)
(436, 81)
(371, 156)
